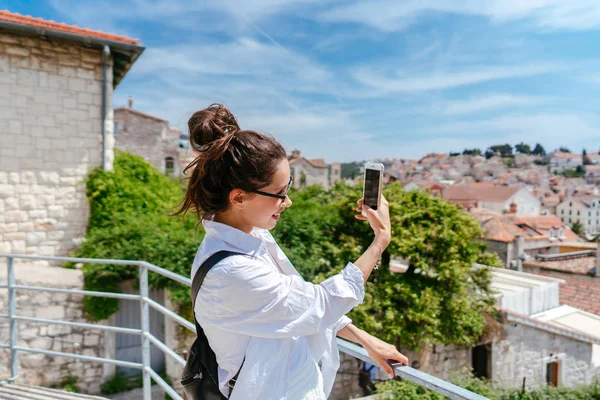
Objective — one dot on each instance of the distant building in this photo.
(501, 199)
(149, 137)
(592, 174)
(308, 172)
(560, 161)
(582, 209)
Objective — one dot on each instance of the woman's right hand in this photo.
(378, 219)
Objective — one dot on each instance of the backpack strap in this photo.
(196, 284)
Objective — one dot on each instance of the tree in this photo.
(523, 148)
(505, 150)
(440, 298)
(472, 152)
(564, 149)
(539, 150)
(454, 154)
(577, 228)
(585, 159)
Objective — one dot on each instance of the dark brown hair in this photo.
(230, 158)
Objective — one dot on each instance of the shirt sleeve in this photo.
(246, 296)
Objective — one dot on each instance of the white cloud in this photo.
(391, 15)
(402, 81)
(488, 102)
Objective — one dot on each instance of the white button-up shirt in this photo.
(257, 306)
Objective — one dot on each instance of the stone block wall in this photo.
(524, 353)
(40, 369)
(50, 138)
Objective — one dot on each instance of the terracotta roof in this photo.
(141, 114)
(318, 162)
(583, 265)
(580, 294)
(62, 27)
(472, 192)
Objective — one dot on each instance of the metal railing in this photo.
(408, 373)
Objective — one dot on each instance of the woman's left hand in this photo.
(380, 352)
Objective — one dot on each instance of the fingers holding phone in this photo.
(373, 206)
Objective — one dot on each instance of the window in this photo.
(562, 219)
(569, 212)
(116, 129)
(589, 213)
(552, 373)
(570, 204)
(569, 220)
(578, 213)
(589, 221)
(169, 165)
(562, 212)
(480, 360)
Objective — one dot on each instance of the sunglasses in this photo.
(277, 196)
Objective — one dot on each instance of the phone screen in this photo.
(372, 177)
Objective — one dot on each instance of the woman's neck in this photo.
(234, 221)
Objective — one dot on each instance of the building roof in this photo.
(547, 321)
(316, 162)
(140, 113)
(480, 193)
(581, 263)
(580, 294)
(125, 50)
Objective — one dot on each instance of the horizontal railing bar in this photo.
(164, 348)
(3, 286)
(72, 259)
(172, 275)
(164, 385)
(169, 313)
(120, 363)
(130, 331)
(3, 315)
(80, 292)
(154, 268)
(420, 378)
(4, 346)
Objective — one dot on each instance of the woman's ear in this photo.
(237, 198)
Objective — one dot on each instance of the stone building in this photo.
(308, 172)
(56, 122)
(56, 85)
(583, 209)
(148, 136)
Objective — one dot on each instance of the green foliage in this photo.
(540, 162)
(68, 383)
(577, 228)
(539, 150)
(351, 170)
(508, 162)
(129, 221)
(563, 149)
(578, 172)
(405, 390)
(472, 152)
(120, 383)
(505, 150)
(440, 299)
(523, 148)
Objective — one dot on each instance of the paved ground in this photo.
(14, 391)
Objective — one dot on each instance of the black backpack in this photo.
(200, 379)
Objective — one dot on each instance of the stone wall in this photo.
(525, 351)
(346, 380)
(40, 369)
(50, 135)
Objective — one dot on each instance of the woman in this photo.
(260, 317)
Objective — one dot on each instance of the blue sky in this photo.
(352, 80)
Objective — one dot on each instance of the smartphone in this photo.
(372, 186)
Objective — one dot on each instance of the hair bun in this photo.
(211, 124)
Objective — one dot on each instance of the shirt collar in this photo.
(248, 243)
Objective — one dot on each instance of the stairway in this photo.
(16, 391)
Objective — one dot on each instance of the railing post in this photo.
(12, 312)
(145, 329)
